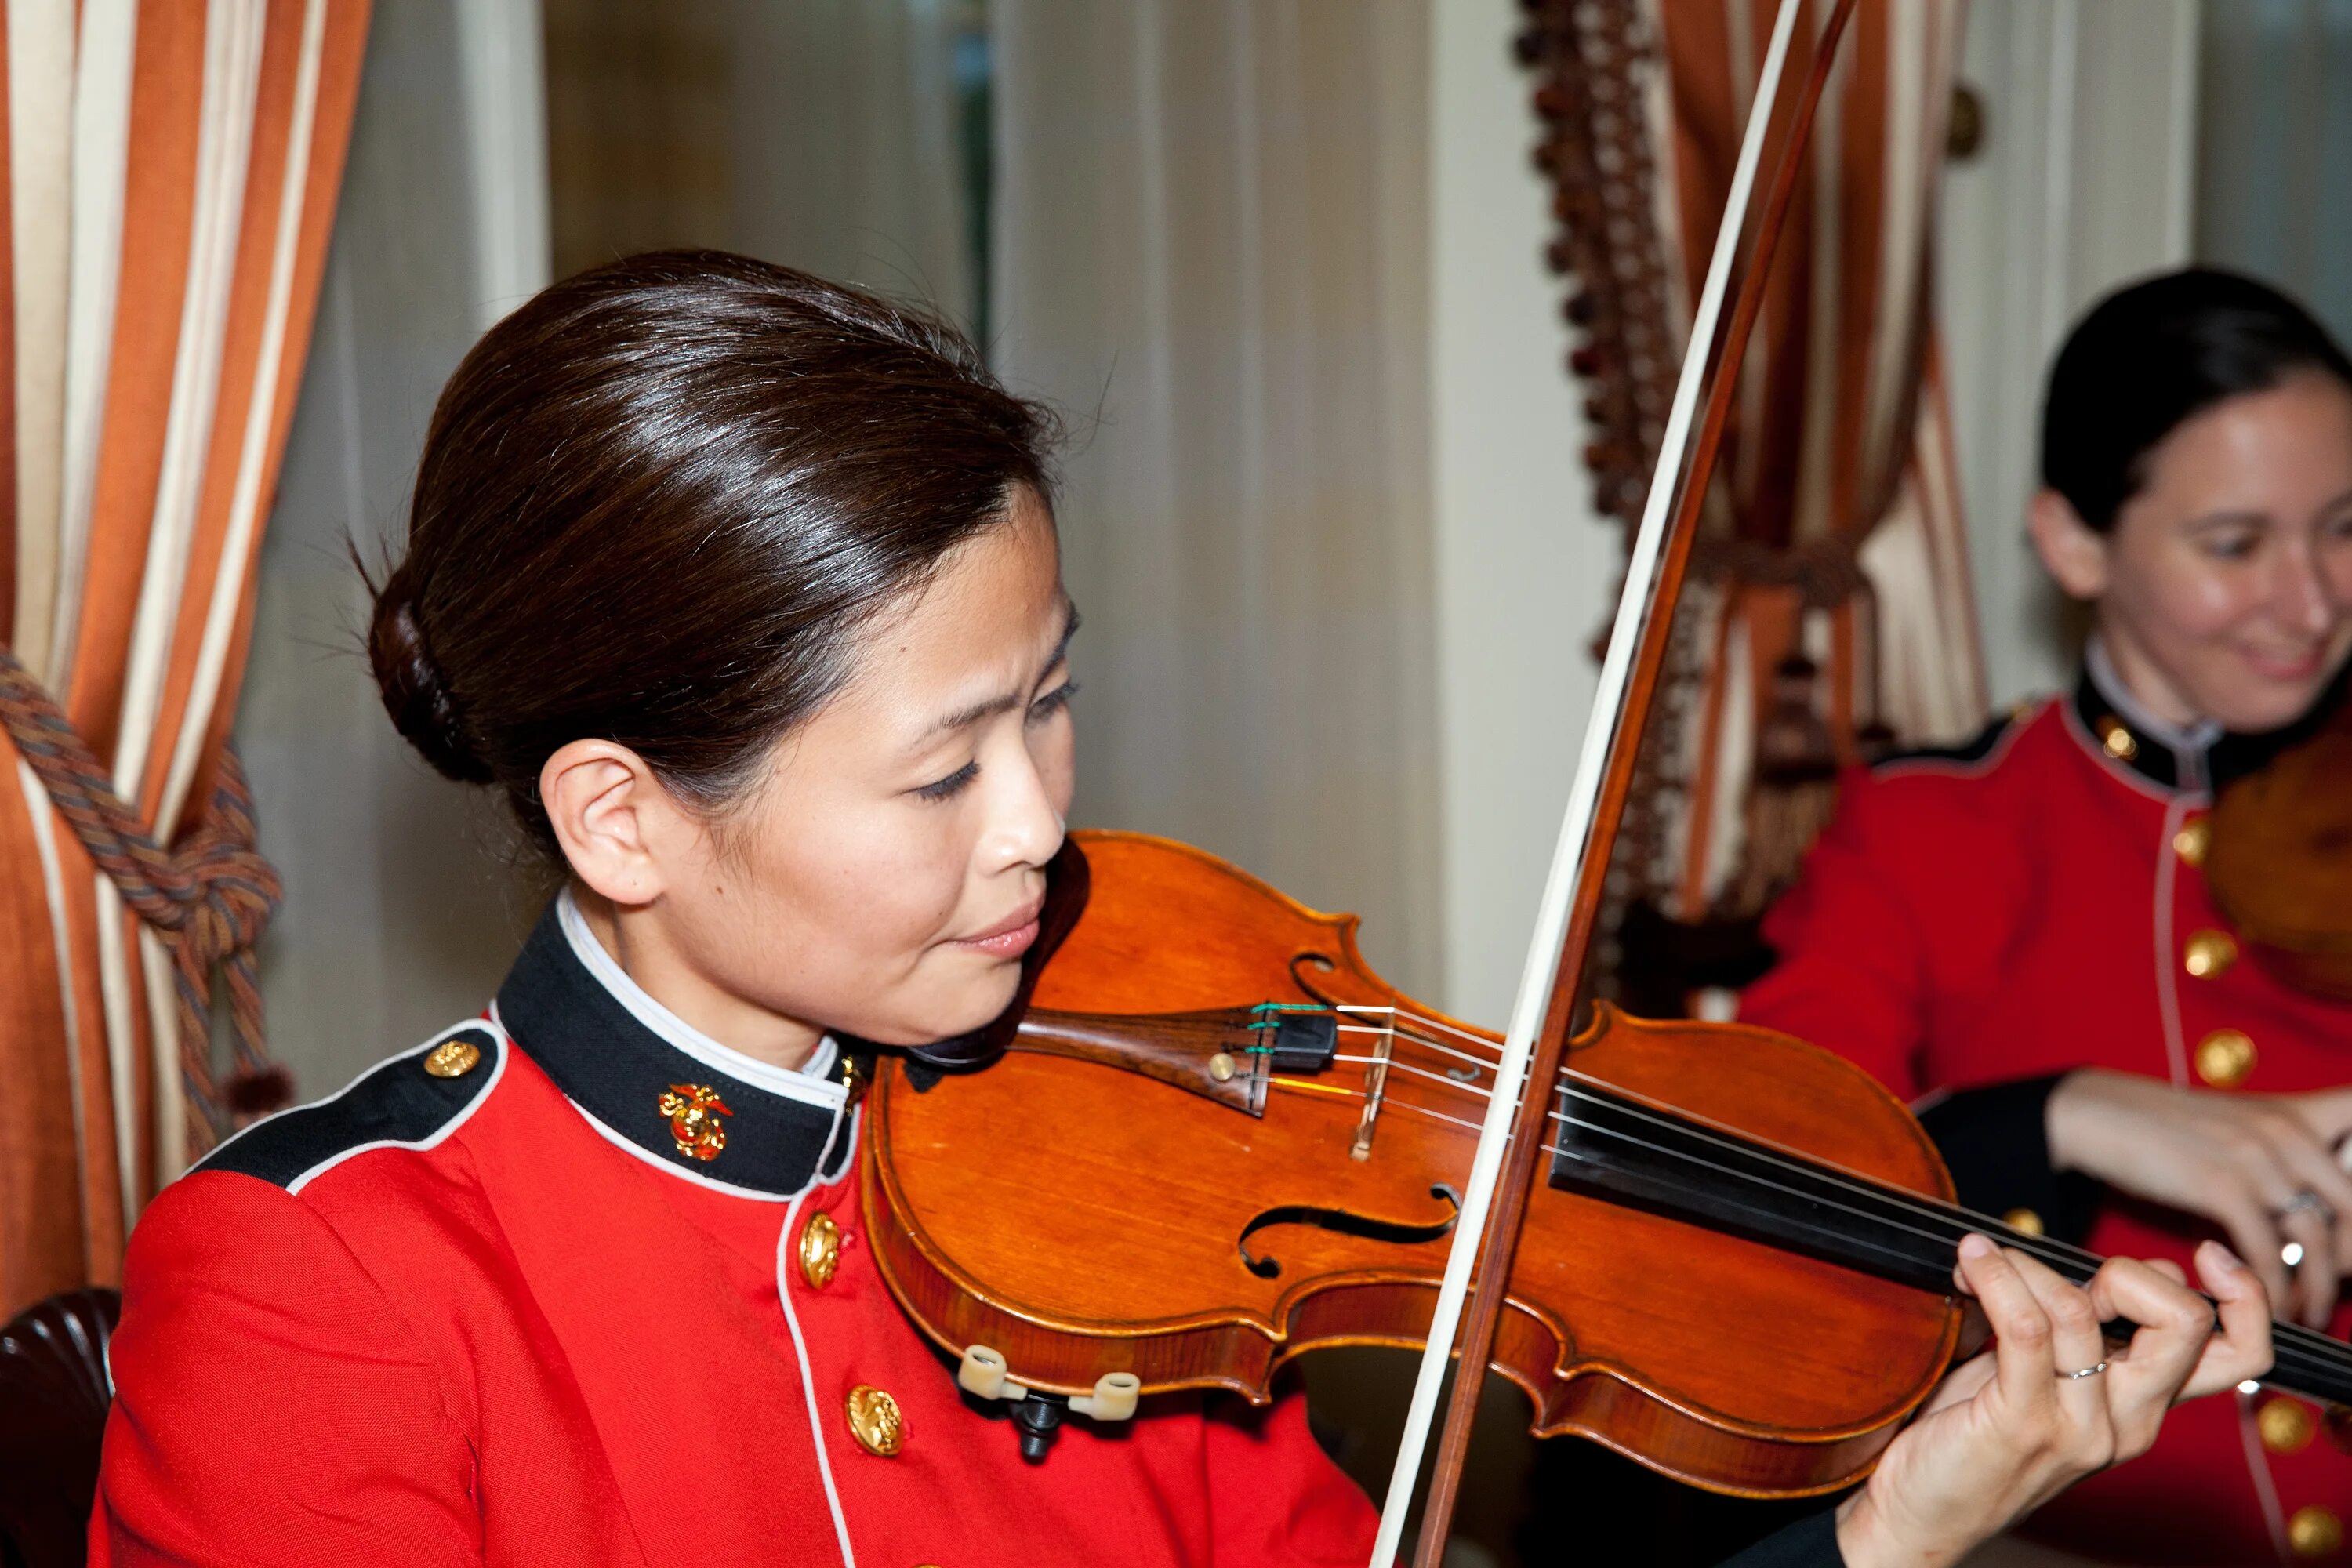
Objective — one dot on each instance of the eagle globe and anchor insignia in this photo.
(694, 1110)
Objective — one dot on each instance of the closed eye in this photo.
(2232, 543)
(951, 786)
(1053, 703)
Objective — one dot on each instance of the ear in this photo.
(618, 827)
(2074, 552)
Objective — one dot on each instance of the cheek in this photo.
(887, 884)
(2190, 597)
(1055, 752)
(823, 921)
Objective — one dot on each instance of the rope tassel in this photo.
(208, 899)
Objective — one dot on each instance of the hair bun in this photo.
(413, 691)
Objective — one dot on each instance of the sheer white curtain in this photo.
(1211, 252)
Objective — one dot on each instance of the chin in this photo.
(2254, 708)
(966, 1009)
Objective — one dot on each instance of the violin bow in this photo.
(1510, 1142)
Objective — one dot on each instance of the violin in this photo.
(2279, 860)
(1217, 1140)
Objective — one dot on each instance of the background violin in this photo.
(2279, 864)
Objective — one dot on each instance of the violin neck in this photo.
(1632, 1151)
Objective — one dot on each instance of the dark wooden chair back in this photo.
(54, 1392)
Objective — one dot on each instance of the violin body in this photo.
(2280, 862)
(1129, 1220)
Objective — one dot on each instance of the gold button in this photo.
(874, 1421)
(454, 1058)
(2286, 1423)
(2224, 1058)
(2117, 741)
(2314, 1532)
(2023, 1220)
(820, 1251)
(2191, 841)
(2209, 953)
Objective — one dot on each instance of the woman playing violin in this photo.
(2017, 934)
(744, 591)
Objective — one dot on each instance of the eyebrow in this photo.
(2224, 517)
(1005, 703)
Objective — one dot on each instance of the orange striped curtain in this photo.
(170, 171)
(1835, 529)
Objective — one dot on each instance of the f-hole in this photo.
(1322, 963)
(1347, 1223)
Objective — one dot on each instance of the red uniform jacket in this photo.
(534, 1293)
(2031, 904)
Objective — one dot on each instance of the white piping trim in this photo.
(817, 1177)
(439, 1134)
(808, 1085)
(808, 1382)
(2108, 764)
(1945, 767)
(497, 1071)
(2108, 681)
(2168, 982)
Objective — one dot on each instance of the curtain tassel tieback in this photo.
(209, 898)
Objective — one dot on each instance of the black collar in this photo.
(2190, 765)
(650, 1082)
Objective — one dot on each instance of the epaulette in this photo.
(410, 1102)
(1970, 752)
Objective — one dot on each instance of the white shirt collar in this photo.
(810, 1084)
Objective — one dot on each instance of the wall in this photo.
(1525, 572)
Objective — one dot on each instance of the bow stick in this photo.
(1540, 1016)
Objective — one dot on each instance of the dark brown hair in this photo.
(656, 503)
(2155, 355)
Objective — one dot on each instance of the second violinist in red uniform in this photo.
(2016, 934)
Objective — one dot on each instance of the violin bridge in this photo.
(1376, 1079)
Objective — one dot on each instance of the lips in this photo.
(2286, 667)
(1010, 937)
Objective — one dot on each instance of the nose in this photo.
(2305, 595)
(1024, 827)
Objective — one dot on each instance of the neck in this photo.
(2145, 680)
(635, 939)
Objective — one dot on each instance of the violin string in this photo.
(2049, 1251)
(1446, 1080)
(2309, 1345)
(1416, 1039)
(1950, 1221)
